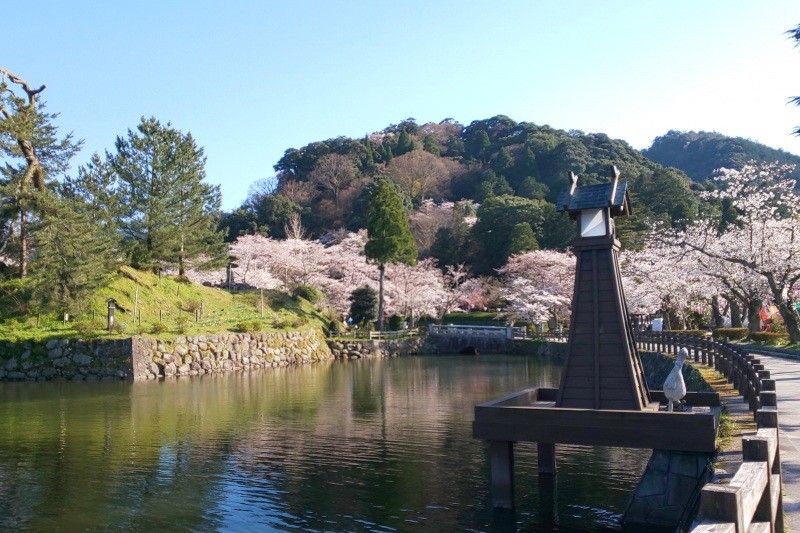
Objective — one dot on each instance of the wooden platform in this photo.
(530, 415)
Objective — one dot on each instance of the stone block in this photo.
(169, 369)
(61, 362)
(82, 359)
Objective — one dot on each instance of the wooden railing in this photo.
(400, 334)
(505, 332)
(752, 500)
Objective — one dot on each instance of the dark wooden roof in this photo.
(594, 197)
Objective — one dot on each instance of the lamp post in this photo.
(112, 305)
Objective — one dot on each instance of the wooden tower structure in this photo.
(603, 399)
(602, 369)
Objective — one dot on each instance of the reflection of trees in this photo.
(334, 446)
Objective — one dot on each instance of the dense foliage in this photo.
(514, 170)
(701, 153)
(145, 205)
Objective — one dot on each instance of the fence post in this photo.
(757, 449)
(722, 503)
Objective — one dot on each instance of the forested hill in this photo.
(699, 154)
(514, 170)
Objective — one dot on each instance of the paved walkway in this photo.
(786, 372)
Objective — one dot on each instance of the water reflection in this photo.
(376, 445)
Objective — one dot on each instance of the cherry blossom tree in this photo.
(538, 285)
(337, 266)
(478, 293)
(764, 240)
(665, 278)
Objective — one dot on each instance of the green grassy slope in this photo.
(163, 307)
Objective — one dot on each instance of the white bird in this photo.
(674, 386)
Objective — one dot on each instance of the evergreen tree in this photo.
(363, 305)
(405, 144)
(368, 159)
(32, 153)
(170, 215)
(94, 192)
(502, 162)
(430, 145)
(74, 254)
(389, 237)
(522, 239)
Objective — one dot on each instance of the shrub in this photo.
(693, 332)
(183, 279)
(733, 334)
(158, 328)
(335, 327)
(248, 326)
(306, 292)
(182, 325)
(769, 338)
(85, 327)
(396, 322)
(120, 327)
(191, 305)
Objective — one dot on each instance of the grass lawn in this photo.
(160, 307)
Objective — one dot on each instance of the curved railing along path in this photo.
(753, 500)
(786, 372)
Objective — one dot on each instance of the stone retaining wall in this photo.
(369, 349)
(71, 359)
(192, 356)
(142, 358)
(440, 344)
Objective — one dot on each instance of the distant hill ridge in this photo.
(700, 153)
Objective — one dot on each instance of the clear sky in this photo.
(250, 79)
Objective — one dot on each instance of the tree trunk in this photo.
(381, 268)
(736, 314)
(786, 309)
(791, 320)
(181, 266)
(753, 316)
(719, 320)
(23, 244)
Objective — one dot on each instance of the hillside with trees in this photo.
(63, 238)
(700, 153)
(502, 173)
(409, 222)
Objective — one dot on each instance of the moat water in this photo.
(366, 445)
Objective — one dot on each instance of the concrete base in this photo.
(666, 496)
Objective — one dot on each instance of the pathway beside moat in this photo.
(786, 372)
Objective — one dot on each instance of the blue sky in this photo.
(250, 79)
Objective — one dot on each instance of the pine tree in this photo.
(170, 215)
(74, 254)
(429, 144)
(522, 239)
(363, 303)
(31, 152)
(405, 144)
(389, 237)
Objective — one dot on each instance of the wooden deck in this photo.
(531, 416)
